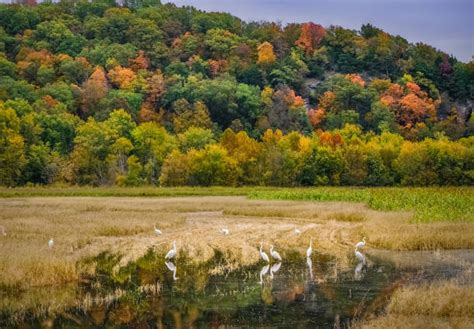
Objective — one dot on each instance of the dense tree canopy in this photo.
(92, 92)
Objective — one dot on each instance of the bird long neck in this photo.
(260, 248)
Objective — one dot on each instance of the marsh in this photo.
(107, 255)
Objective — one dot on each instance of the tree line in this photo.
(144, 93)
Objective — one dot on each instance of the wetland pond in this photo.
(297, 293)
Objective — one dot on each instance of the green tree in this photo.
(195, 138)
(212, 166)
(12, 154)
(152, 145)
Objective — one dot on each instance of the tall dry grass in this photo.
(439, 305)
(83, 227)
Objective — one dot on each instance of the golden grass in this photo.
(83, 227)
(439, 305)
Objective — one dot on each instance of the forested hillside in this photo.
(144, 93)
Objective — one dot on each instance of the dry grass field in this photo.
(85, 226)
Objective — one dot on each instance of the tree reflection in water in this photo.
(147, 292)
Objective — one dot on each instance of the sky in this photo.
(445, 24)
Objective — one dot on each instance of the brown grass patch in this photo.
(440, 305)
(85, 226)
(351, 217)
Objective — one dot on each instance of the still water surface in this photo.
(297, 293)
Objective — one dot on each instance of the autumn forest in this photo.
(144, 93)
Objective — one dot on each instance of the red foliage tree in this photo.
(311, 36)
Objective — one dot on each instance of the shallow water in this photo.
(297, 293)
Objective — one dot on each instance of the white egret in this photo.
(359, 256)
(172, 253)
(309, 251)
(157, 231)
(297, 232)
(51, 243)
(275, 254)
(2, 228)
(360, 244)
(225, 231)
(275, 268)
(263, 272)
(263, 254)
(309, 262)
(172, 268)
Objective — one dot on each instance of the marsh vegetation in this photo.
(87, 228)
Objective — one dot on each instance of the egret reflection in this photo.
(309, 262)
(263, 272)
(358, 273)
(275, 268)
(172, 268)
(360, 256)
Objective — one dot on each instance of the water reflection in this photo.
(144, 294)
(360, 256)
(358, 273)
(309, 262)
(275, 268)
(263, 272)
(172, 268)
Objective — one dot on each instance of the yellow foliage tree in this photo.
(266, 54)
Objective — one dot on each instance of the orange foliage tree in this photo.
(217, 67)
(156, 87)
(122, 77)
(411, 105)
(316, 117)
(356, 79)
(310, 37)
(94, 89)
(140, 62)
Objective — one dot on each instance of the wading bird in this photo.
(297, 232)
(2, 228)
(360, 244)
(359, 256)
(172, 253)
(225, 231)
(51, 243)
(157, 231)
(275, 254)
(263, 254)
(309, 252)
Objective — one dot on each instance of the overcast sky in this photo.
(445, 24)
